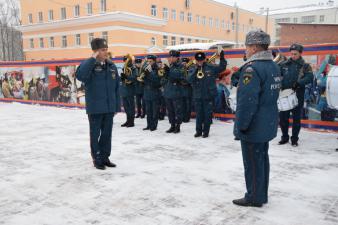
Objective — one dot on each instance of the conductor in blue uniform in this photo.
(100, 77)
(256, 120)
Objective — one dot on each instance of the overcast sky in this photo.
(272, 4)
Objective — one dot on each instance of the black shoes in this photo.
(294, 143)
(100, 166)
(283, 141)
(143, 115)
(171, 129)
(109, 164)
(246, 203)
(125, 124)
(198, 134)
(177, 129)
(147, 128)
(138, 116)
(130, 124)
(205, 135)
(153, 129)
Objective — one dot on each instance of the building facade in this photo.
(308, 33)
(64, 29)
(322, 13)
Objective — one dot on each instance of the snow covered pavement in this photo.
(47, 178)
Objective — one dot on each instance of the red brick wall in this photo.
(308, 34)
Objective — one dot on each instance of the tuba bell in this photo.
(127, 68)
(142, 75)
(200, 73)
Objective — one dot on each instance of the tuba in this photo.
(127, 68)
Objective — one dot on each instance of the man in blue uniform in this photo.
(202, 78)
(256, 120)
(127, 90)
(100, 77)
(187, 93)
(296, 74)
(139, 90)
(173, 91)
(152, 93)
(162, 107)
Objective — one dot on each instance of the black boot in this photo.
(143, 115)
(147, 128)
(131, 122)
(109, 164)
(171, 129)
(125, 124)
(283, 141)
(100, 166)
(177, 129)
(198, 134)
(205, 135)
(246, 203)
(138, 115)
(294, 143)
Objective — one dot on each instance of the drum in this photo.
(332, 88)
(287, 100)
(232, 99)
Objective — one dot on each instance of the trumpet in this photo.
(213, 57)
(279, 58)
(127, 70)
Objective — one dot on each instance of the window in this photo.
(78, 39)
(64, 41)
(210, 22)
(308, 19)
(197, 41)
(181, 41)
(51, 42)
(198, 19)
(203, 21)
(223, 24)
(321, 18)
(153, 41)
(63, 13)
(189, 40)
(103, 6)
(50, 15)
(90, 37)
(40, 17)
(187, 4)
(182, 16)
(189, 17)
(105, 35)
(153, 10)
(30, 18)
(31, 43)
(233, 26)
(173, 14)
(283, 20)
(216, 23)
(89, 8)
(165, 13)
(232, 15)
(165, 40)
(295, 20)
(41, 44)
(173, 40)
(76, 11)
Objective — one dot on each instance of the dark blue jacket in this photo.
(174, 77)
(296, 72)
(257, 94)
(128, 90)
(152, 85)
(206, 88)
(101, 86)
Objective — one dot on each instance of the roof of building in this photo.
(301, 8)
(317, 24)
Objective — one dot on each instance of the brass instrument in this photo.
(279, 58)
(127, 68)
(161, 71)
(142, 75)
(212, 58)
(200, 73)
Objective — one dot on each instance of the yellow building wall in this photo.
(138, 41)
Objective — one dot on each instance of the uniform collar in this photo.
(262, 55)
(299, 61)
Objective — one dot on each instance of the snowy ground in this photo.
(46, 175)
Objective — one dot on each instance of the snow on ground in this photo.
(47, 177)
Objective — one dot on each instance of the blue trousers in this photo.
(186, 106)
(152, 107)
(100, 127)
(203, 109)
(140, 103)
(256, 171)
(174, 107)
(129, 106)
